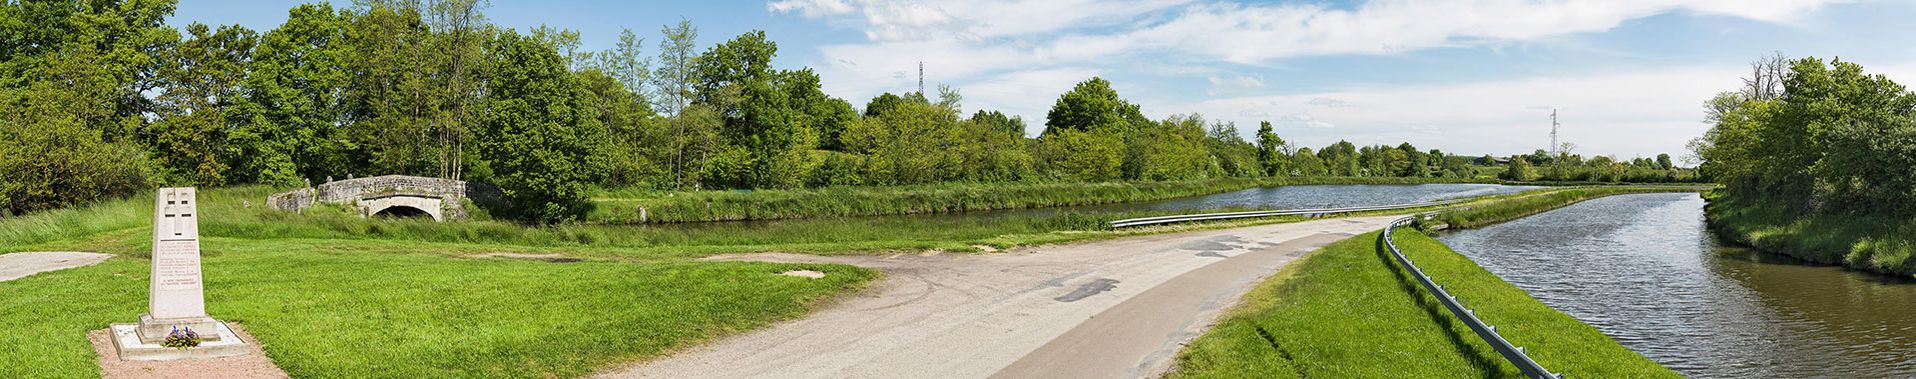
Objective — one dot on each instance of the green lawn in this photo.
(332, 294)
(1348, 311)
(346, 309)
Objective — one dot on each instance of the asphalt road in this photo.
(1107, 309)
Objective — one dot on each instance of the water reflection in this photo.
(1645, 271)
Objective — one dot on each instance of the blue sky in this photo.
(1465, 76)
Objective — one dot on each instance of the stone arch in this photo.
(404, 205)
(401, 211)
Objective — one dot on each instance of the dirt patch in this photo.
(515, 256)
(985, 248)
(254, 364)
(804, 274)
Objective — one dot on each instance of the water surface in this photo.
(1646, 271)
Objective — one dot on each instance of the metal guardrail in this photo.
(1287, 212)
(1513, 353)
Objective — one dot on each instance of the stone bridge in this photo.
(391, 195)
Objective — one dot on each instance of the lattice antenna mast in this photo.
(921, 78)
(1554, 152)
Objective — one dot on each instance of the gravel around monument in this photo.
(1113, 308)
(250, 366)
(20, 265)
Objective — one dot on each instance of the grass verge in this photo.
(624, 206)
(347, 309)
(1349, 311)
(1872, 243)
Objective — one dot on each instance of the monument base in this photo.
(154, 330)
(126, 338)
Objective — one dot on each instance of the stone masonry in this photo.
(437, 197)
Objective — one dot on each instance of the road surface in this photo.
(19, 265)
(1106, 309)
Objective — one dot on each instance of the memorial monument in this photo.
(176, 301)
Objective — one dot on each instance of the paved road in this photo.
(19, 265)
(1105, 309)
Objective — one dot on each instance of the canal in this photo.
(1645, 270)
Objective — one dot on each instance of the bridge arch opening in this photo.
(401, 211)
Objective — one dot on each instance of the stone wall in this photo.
(352, 191)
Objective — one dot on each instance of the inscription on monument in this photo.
(175, 289)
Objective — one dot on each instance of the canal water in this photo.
(1319, 196)
(1646, 271)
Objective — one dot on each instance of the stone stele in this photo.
(175, 294)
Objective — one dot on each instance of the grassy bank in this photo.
(356, 310)
(1530, 203)
(624, 206)
(1864, 242)
(1349, 311)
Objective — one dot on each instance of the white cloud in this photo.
(811, 8)
(1017, 55)
(1629, 113)
(1300, 120)
(1234, 83)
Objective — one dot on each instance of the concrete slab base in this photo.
(126, 339)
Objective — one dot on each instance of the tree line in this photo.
(103, 99)
(1814, 135)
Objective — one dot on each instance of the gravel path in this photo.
(1113, 308)
(19, 265)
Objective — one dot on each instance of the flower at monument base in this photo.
(181, 338)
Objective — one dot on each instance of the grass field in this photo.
(623, 206)
(322, 289)
(1348, 311)
(1879, 244)
(352, 310)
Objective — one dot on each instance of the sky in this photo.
(1627, 77)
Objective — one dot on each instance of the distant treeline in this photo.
(1814, 135)
(103, 99)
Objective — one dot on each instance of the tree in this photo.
(298, 76)
(1234, 155)
(1663, 162)
(538, 139)
(1093, 106)
(1519, 170)
(674, 80)
(912, 143)
(201, 79)
(1082, 155)
(1270, 151)
(1306, 163)
(767, 141)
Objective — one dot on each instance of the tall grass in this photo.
(1348, 311)
(634, 206)
(1875, 243)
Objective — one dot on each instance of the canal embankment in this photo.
(1874, 243)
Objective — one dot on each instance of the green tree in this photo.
(297, 77)
(1233, 155)
(674, 79)
(1081, 155)
(538, 140)
(1270, 151)
(1093, 105)
(1306, 163)
(1519, 170)
(199, 104)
